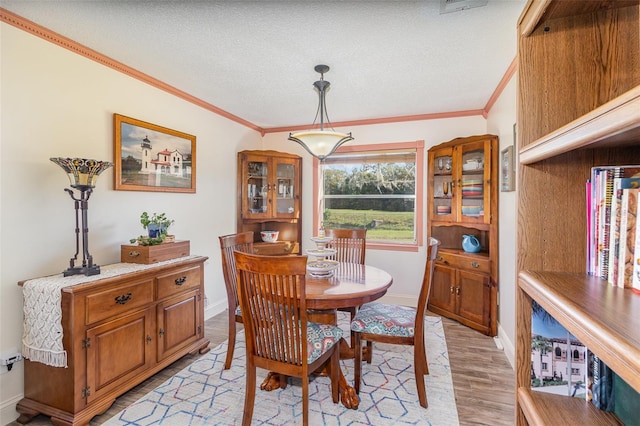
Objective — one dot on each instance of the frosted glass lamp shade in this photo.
(320, 143)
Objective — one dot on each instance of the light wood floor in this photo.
(483, 379)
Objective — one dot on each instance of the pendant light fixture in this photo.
(321, 143)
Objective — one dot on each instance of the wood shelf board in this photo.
(536, 12)
(615, 123)
(542, 408)
(604, 318)
(481, 254)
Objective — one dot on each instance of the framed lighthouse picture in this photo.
(148, 157)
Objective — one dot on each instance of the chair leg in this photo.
(369, 352)
(421, 369)
(232, 341)
(335, 374)
(357, 362)
(250, 394)
(352, 312)
(305, 400)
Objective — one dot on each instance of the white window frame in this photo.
(418, 146)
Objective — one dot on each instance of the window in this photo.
(377, 187)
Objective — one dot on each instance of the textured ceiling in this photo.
(255, 59)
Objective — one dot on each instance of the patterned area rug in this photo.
(205, 394)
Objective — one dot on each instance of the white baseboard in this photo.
(399, 300)
(8, 411)
(212, 310)
(507, 346)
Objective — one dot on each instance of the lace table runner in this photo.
(42, 332)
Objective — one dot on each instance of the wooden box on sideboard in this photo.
(154, 254)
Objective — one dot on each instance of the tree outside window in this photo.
(374, 190)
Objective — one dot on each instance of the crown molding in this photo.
(58, 39)
(62, 41)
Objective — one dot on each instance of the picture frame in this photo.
(508, 177)
(149, 157)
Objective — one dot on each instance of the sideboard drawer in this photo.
(467, 262)
(177, 282)
(115, 301)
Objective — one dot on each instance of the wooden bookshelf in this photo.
(578, 107)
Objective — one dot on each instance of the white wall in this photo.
(57, 103)
(500, 122)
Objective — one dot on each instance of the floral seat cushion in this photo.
(385, 319)
(320, 338)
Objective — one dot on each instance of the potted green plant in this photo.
(156, 225)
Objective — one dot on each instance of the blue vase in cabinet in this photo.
(470, 244)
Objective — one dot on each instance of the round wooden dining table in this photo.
(350, 285)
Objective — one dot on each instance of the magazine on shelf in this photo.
(558, 359)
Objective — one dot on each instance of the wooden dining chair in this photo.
(399, 325)
(350, 245)
(279, 338)
(228, 245)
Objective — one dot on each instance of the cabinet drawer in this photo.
(459, 261)
(115, 301)
(178, 281)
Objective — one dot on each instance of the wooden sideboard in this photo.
(118, 331)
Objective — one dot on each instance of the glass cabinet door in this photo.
(473, 183)
(284, 188)
(443, 185)
(257, 182)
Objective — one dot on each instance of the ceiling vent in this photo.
(448, 6)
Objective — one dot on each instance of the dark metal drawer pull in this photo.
(181, 280)
(475, 264)
(121, 300)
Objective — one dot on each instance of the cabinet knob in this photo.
(475, 264)
(148, 339)
(457, 291)
(439, 258)
(161, 332)
(181, 280)
(451, 289)
(134, 253)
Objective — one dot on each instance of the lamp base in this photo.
(82, 270)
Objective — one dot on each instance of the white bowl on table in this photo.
(269, 236)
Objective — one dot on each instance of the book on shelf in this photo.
(600, 383)
(627, 245)
(604, 206)
(613, 254)
(634, 257)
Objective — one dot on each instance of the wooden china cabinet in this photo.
(269, 184)
(578, 107)
(463, 200)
